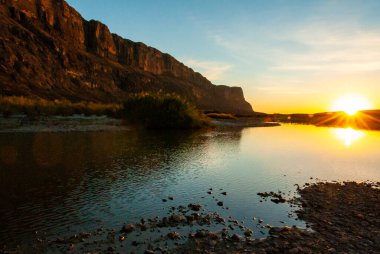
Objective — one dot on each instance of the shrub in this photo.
(37, 107)
(162, 111)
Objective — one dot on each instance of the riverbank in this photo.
(23, 123)
(340, 217)
(81, 122)
(344, 218)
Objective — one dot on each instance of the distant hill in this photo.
(47, 50)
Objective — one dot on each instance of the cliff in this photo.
(48, 50)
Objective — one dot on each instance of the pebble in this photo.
(194, 207)
(200, 234)
(112, 249)
(128, 228)
(235, 238)
(248, 233)
(174, 235)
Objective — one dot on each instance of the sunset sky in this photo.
(288, 56)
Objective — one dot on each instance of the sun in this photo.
(351, 104)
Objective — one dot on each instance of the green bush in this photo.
(162, 111)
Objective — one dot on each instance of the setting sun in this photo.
(351, 104)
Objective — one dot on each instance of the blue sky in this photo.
(289, 56)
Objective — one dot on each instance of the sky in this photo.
(288, 56)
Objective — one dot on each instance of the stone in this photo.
(235, 238)
(173, 236)
(200, 234)
(248, 233)
(128, 228)
(194, 207)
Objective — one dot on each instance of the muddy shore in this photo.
(341, 218)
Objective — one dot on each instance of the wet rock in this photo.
(170, 198)
(173, 236)
(111, 249)
(200, 234)
(248, 233)
(194, 207)
(143, 227)
(219, 219)
(224, 193)
(177, 218)
(278, 200)
(212, 235)
(235, 238)
(220, 203)
(128, 228)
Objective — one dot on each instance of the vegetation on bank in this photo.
(162, 111)
(154, 111)
(40, 107)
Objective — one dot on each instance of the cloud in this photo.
(340, 48)
(317, 44)
(212, 70)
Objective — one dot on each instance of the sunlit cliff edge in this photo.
(49, 51)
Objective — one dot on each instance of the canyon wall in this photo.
(48, 50)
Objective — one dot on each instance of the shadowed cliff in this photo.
(49, 51)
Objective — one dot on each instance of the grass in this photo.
(40, 107)
(162, 111)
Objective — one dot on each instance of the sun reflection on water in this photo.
(348, 135)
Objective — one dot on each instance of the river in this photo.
(57, 184)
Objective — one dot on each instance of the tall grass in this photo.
(40, 107)
(162, 111)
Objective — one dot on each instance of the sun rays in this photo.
(351, 104)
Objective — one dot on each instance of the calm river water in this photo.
(64, 183)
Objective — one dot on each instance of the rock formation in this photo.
(48, 50)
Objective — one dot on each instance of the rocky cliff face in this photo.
(48, 50)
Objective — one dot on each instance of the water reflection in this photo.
(64, 183)
(348, 135)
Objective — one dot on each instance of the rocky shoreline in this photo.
(343, 218)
